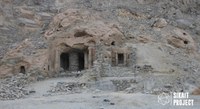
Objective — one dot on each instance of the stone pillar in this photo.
(73, 61)
(85, 60)
(53, 60)
(90, 57)
(93, 55)
(57, 61)
(125, 59)
(116, 58)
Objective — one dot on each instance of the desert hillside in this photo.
(128, 46)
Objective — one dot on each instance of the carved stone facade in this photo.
(74, 48)
(120, 57)
(74, 58)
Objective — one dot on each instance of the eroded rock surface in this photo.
(132, 38)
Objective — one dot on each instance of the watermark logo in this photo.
(175, 99)
(164, 98)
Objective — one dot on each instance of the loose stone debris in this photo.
(14, 87)
(67, 87)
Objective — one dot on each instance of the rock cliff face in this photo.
(162, 34)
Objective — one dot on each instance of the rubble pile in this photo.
(124, 84)
(14, 87)
(67, 87)
(145, 68)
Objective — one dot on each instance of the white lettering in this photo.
(180, 95)
(183, 102)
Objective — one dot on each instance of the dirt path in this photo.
(87, 100)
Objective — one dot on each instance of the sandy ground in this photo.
(88, 100)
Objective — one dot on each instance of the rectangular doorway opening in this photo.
(64, 61)
(120, 58)
(81, 61)
(72, 61)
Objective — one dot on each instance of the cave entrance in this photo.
(72, 61)
(22, 69)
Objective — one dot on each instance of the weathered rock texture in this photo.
(112, 37)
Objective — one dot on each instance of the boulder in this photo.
(181, 39)
(196, 92)
(160, 23)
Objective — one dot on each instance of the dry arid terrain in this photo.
(99, 54)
